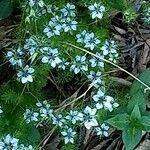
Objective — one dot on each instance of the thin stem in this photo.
(109, 62)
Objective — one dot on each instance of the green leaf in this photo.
(136, 113)
(33, 134)
(146, 123)
(131, 137)
(5, 8)
(136, 86)
(137, 98)
(120, 121)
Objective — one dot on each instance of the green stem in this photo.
(109, 62)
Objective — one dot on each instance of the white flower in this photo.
(44, 109)
(102, 130)
(97, 10)
(50, 56)
(89, 117)
(58, 120)
(104, 101)
(63, 64)
(81, 37)
(30, 116)
(110, 48)
(31, 45)
(52, 29)
(34, 2)
(74, 116)
(25, 75)
(69, 135)
(23, 147)
(79, 64)
(91, 41)
(68, 10)
(8, 143)
(93, 76)
(69, 25)
(1, 111)
(97, 61)
(15, 57)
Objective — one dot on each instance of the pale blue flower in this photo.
(52, 8)
(30, 116)
(51, 29)
(102, 130)
(97, 62)
(81, 37)
(1, 111)
(104, 101)
(89, 117)
(91, 41)
(32, 3)
(74, 116)
(63, 64)
(68, 10)
(58, 120)
(97, 10)
(23, 147)
(69, 135)
(94, 75)
(15, 57)
(79, 64)
(44, 109)
(69, 24)
(25, 75)
(109, 47)
(31, 45)
(9, 143)
(50, 56)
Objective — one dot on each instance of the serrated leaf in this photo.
(145, 120)
(131, 137)
(136, 114)
(120, 121)
(5, 8)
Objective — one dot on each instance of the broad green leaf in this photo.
(34, 135)
(136, 113)
(136, 86)
(146, 123)
(5, 8)
(120, 121)
(131, 137)
(137, 98)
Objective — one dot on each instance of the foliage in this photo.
(135, 119)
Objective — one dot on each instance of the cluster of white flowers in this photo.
(10, 143)
(63, 20)
(104, 101)
(88, 39)
(50, 56)
(31, 45)
(110, 48)
(63, 23)
(79, 64)
(147, 15)
(97, 10)
(15, 57)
